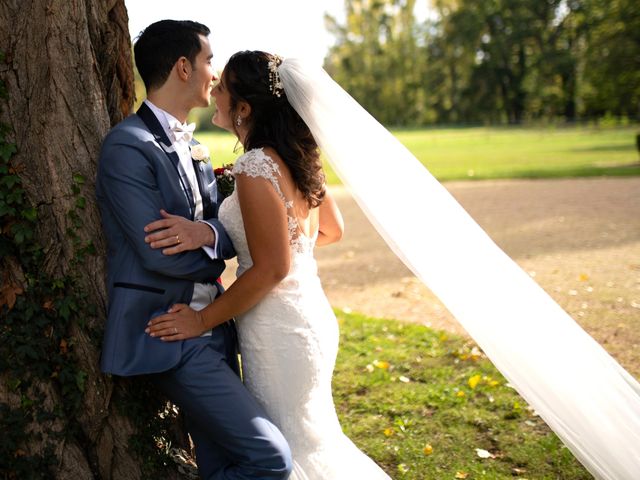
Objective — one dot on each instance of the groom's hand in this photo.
(175, 234)
(179, 323)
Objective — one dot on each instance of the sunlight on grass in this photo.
(489, 153)
(427, 405)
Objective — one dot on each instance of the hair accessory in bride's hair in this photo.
(275, 84)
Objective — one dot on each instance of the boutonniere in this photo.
(224, 179)
(200, 153)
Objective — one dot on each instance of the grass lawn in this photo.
(484, 153)
(421, 402)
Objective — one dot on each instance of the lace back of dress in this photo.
(255, 163)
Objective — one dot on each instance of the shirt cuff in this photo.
(211, 250)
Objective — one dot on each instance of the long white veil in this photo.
(581, 392)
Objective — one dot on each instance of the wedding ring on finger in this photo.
(178, 239)
(175, 330)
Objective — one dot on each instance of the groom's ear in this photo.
(183, 68)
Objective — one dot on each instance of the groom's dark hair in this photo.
(161, 44)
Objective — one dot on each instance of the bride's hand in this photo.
(175, 234)
(179, 323)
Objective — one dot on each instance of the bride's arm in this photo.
(331, 225)
(265, 224)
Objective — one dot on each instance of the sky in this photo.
(290, 28)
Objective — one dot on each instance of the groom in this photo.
(145, 166)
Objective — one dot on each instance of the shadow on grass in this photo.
(626, 170)
(607, 170)
(604, 148)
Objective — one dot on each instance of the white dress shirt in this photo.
(203, 294)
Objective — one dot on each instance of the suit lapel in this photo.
(154, 126)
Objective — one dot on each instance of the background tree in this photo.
(509, 59)
(495, 61)
(450, 58)
(610, 36)
(66, 76)
(375, 59)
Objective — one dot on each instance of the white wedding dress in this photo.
(289, 342)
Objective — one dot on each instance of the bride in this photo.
(288, 331)
(277, 213)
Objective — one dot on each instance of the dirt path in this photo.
(579, 239)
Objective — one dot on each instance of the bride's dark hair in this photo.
(273, 122)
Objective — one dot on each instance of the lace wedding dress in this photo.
(289, 342)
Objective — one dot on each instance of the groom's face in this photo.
(203, 75)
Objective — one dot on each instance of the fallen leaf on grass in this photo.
(473, 381)
(402, 424)
(473, 354)
(462, 475)
(383, 365)
(428, 449)
(483, 453)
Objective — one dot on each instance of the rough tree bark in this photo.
(68, 71)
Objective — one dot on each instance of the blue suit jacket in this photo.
(137, 176)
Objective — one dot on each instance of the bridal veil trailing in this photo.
(581, 392)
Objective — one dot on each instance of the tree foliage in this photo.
(495, 61)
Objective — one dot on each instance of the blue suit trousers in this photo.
(233, 436)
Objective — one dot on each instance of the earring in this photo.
(239, 121)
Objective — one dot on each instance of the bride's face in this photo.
(222, 117)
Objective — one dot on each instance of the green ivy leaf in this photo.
(81, 378)
(7, 150)
(10, 180)
(15, 197)
(30, 214)
(6, 210)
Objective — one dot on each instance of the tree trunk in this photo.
(68, 72)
